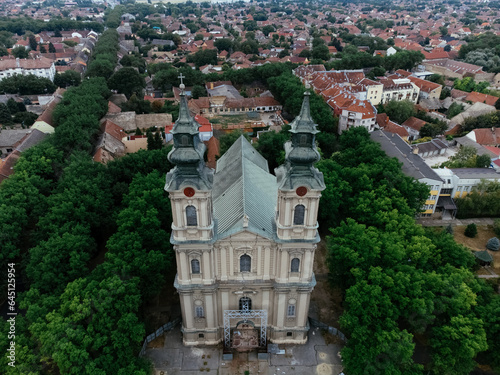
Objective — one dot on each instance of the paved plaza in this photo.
(315, 358)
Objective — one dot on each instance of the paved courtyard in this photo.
(315, 358)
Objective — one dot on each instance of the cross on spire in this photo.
(181, 86)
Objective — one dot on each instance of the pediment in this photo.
(245, 236)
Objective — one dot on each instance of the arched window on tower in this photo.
(198, 312)
(295, 265)
(298, 214)
(245, 263)
(191, 219)
(245, 304)
(195, 266)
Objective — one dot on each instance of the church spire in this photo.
(301, 152)
(303, 148)
(187, 153)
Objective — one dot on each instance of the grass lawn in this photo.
(229, 120)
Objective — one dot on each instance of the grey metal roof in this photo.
(34, 138)
(474, 173)
(466, 141)
(433, 145)
(395, 146)
(243, 187)
(9, 137)
(225, 90)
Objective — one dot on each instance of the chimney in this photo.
(211, 85)
(17, 62)
(415, 150)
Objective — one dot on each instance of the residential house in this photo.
(428, 89)
(413, 125)
(40, 67)
(412, 165)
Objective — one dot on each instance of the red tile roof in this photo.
(113, 130)
(7, 165)
(212, 152)
(477, 97)
(487, 136)
(414, 123)
(426, 86)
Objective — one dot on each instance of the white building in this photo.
(40, 67)
(359, 113)
(399, 89)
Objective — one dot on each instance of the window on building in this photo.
(191, 218)
(291, 310)
(201, 336)
(199, 312)
(289, 334)
(295, 265)
(298, 215)
(195, 266)
(245, 263)
(245, 304)
(446, 191)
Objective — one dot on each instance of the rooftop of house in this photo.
(414, 123)
(476, 173)
(395, 146)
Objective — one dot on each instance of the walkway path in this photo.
(314, 358)
(455, 222)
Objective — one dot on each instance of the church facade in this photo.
(244, 239)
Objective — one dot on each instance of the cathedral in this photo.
(244, 239)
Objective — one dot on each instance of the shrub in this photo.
(493, 244)
(496, 227)
(471, 230)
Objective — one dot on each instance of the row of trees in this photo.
(483, 201)
(104, 55)
(20, 25)
(352, 59)
(403, 285)
(27, 85)
(61, 210)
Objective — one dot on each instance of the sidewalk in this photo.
(455, 222)
(315, 358)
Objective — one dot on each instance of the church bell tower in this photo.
(299, 182)
(189, 185)
(190, 182)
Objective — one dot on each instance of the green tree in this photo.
(455, 109)
(404, 59)
(5, 115)
(127, 81)
(20, 52)
(198, 91)
(33, 43)
(465, 84)
(223, 44)
(67, 78)
(400, 111)
(52, 49)
(320, 52)
(268, 29)
(305, 53)
(271, 147)
(100, 68)
(103, 312)
(227, 140)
